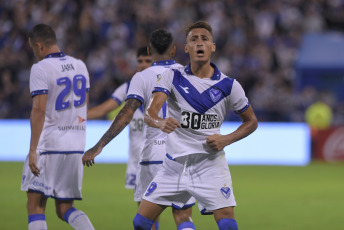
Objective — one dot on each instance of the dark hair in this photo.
(199, 24)
(43, 33)
(142, 51)
(160, 40)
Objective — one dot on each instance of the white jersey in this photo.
(200, 105)
(141, 87)
(136, 135)
(66, 81)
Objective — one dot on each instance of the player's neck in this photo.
(202, 70)
(161, 57)
(52, 49)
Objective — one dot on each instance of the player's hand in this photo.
(89, 155)
(169, 124)
(217, 142)
(33, 163)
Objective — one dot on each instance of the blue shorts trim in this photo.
(62, 152)
(150, 162)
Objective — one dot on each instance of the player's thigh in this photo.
(150, 210)
(36, 202)
(227, 212)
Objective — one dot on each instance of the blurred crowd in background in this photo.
(257, 43)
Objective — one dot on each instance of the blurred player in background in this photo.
(136, 131)
(59, 86)
(162, 50)
(199, 96)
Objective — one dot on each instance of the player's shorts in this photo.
(203, 176)
(145, 175)
(60, 176)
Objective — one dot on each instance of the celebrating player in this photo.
(162, 51)
(198, 97)
(59, 85)
(137, 130)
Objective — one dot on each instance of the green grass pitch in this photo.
(268, 197)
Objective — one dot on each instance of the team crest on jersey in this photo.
(226, 192)
(158, 77)
(215, 94)
(151, 189)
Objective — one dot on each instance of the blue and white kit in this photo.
(192, 168)
(153, 154)
(66, 82)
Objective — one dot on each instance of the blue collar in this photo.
(216, 75)
(54, 55)
(164, 62)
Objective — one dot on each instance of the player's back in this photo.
(66, 81)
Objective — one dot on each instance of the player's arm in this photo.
(102, 109)
(249, 125)
(37, 119)
(151, 115)
(121, 120)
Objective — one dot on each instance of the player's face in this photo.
(36, 48)
(143, 62)
(199, 45)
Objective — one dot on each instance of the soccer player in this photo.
(198, 97)
(151, 158)
(59, 86)
(136, 131)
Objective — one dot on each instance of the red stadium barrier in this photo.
(329, 144)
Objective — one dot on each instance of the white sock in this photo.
(78, 219)
(37, 222)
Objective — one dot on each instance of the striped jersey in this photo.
(141, 87)
(200, 105)
(66, 81)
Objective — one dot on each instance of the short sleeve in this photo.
(120, 94)
(165, 82)
(136, 90)
(238, 100)
(38, 81)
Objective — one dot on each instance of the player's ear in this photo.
(213, 48)
(186, 48)
(148, 51)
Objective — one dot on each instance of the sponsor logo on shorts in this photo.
(38, 184)
(226, 192)
(151, 188)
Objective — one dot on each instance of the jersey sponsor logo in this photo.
(72, 127)
(200, 121)
(159, 142)
(81, 119)
(158, 77)
(186, 89)
(151, 189)
(67, 67)
(215, 94)
(226, 192)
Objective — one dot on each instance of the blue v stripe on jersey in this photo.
(202, 102)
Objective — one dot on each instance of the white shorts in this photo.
(203, 176)
(60, 176)
(145, 175)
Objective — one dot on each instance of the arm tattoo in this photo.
(122, 119)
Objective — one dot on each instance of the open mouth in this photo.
(200, 52)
